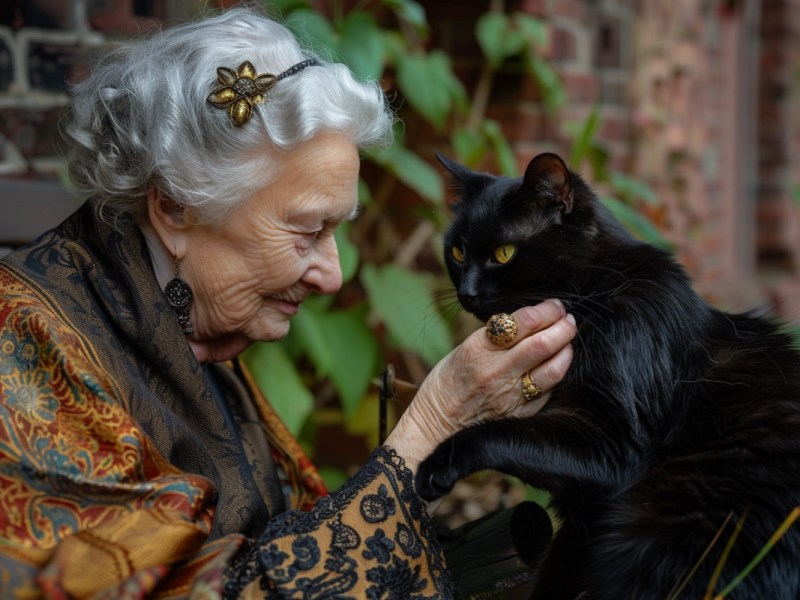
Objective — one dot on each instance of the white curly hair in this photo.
(142, 119)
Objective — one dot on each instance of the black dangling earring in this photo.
(179, 295)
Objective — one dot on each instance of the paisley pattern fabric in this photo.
(120, 476)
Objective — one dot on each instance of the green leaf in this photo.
(584, 138)
(429, 85)
(404, 301)
(284, 7)
(355, 354)
(409, 168)
(277, 377)
(333, 478)
(469, 145)
(395, 45)
(599, 159)
(348, 252)
(538, 495)
(307, 328)
(458, 94)
(411, 12)
(341, 346)
(315, 31)
(364, 193)
(534, 30)
(501, 36)
(631, 189)
(490, 31)
(549, 83)
(321, 302)
(361, 45)
(506, 158)
(636, 223)
(364, 422)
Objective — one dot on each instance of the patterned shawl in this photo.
(116, 462)
(84, 295)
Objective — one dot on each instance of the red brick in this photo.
(563, 46)
(581, 88)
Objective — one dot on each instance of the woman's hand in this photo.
(479, 380)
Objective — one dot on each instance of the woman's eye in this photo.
(306, 241)
(312, 237)
(503, 254)
(457, 254)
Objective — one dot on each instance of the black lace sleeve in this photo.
(369, 539)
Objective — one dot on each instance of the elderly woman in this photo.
(136, 455)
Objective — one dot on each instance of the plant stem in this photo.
(725, 553)
(677, 590)
(793, 516)
(483, 89)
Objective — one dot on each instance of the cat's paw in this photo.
(433, 480)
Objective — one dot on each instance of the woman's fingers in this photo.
(546, 353)
(546, 375)
(480, 379)
(495, 374)
(504, 331)
(550, 372)
(542, 332)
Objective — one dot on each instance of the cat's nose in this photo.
(468, 289)
(467, 300)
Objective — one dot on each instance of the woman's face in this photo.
(250, 275)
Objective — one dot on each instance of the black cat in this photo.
(675, 422)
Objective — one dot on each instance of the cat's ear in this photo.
(464, 183)
(451, 165)
(459, 174)
(548, 169)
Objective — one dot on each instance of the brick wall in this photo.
(44, 43)
(694, 143)
(778, 143)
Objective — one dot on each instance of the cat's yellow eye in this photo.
(503, 254)
(456, 252)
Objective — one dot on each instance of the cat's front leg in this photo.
(562, 446)
(453, 459)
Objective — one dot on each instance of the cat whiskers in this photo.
(447, 299)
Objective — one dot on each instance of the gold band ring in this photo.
(530, 391)
(501, 329)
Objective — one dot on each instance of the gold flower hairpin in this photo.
(242, 89)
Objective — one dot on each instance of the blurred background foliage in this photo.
(396, 305)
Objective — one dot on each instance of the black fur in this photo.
(673, 418)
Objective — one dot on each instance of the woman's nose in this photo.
(325, 273)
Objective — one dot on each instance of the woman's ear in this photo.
(167, 220)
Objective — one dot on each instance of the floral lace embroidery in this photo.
(376, 508)
(383, 556)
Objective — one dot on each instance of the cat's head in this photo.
(514, 242)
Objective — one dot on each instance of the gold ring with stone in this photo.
(501, 329)
(530, 391)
